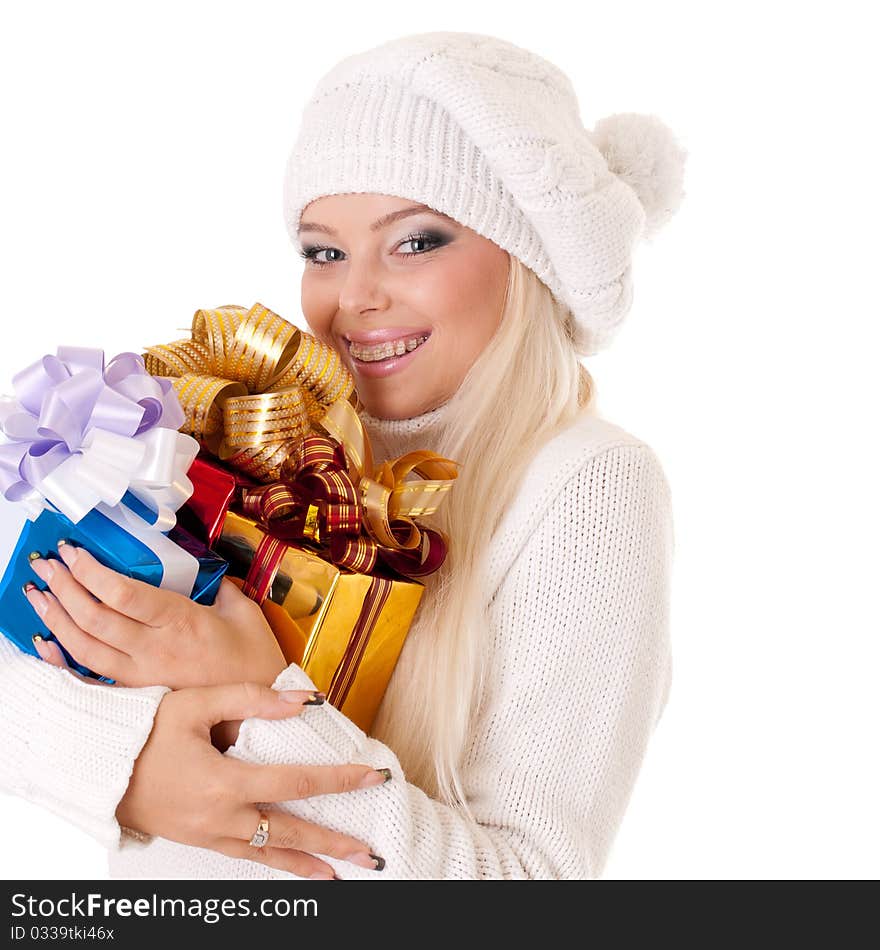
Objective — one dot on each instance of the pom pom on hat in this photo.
(491, 134)
(643, 152)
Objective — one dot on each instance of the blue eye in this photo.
(310, 253)
(433, 240)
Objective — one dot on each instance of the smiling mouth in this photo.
(382, 352)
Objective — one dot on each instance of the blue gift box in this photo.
(110, 544)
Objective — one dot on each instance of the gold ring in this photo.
(261, 835)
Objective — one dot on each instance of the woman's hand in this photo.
(140, 635)
(223, 734)
(184, 790)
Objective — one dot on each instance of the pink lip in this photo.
(388, 335)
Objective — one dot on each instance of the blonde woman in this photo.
(444, 195)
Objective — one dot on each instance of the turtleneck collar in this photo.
(392, 438)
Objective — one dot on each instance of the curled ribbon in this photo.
(81, 435)
(251, 385)
(329, 493)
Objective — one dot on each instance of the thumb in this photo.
(249, 700)
(230, 599)
(228, 593)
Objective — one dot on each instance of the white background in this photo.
(140, 170)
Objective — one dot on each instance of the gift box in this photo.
(345, 629)
(214, 488)
(115, 547)
(92, 453)
(286, 490)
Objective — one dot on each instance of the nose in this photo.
(363, 287)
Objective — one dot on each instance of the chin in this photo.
(385, 409)
(380, 412)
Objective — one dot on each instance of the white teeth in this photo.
(382, 351)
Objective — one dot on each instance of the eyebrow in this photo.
(376, 225)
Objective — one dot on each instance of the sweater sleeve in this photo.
(579, 674)
(68, 745)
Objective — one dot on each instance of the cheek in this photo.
(465, 294)
(318, 308)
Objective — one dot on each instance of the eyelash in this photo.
(437, 240)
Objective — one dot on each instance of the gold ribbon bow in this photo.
(385, 494)
(251, 385)
(325, 495)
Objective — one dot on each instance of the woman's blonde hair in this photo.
(525, 386)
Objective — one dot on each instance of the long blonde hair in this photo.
(525, 386)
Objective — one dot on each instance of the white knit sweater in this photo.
(578, 588)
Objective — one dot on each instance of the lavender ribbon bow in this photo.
(81, 434)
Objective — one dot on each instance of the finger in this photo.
(87, 613)
(295, 862)
(289, 833)
(90, 652)
(281, 783)
(136, 600)
(213, 704)
(51, 653)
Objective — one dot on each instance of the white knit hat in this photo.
(490, 134)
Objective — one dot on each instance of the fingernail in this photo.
(366, 859)
(29, 586)
(376, 777)
(67, 551)
(37, 600)
(34, 555)
(37, 639)
(43, 568)
(295, 696)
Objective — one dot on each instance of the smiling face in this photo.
(375, 274)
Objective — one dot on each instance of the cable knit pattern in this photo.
(491, 134)
(579, 670)
(68, 745)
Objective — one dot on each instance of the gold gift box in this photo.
(345, 629)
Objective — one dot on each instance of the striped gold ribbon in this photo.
(251, 385)
(327, 496)
(347, 670)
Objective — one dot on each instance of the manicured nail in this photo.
(295, 696)
(366, 859)
(34, 555)
(68, 551)
(43, 568)
(37, 599)
(40, 645)
(376, 777)
(29, 586)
